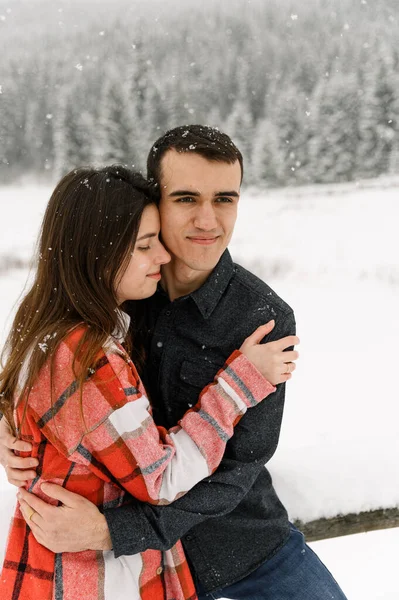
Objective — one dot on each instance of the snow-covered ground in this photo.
(365, 565)
(333, 255)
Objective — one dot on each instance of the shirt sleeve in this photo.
(136, 527)
(119, 441)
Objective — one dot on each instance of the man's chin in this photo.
(202, 264)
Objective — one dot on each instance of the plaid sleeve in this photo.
(112, 430)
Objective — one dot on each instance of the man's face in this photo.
(198, 207)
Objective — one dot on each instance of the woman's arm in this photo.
(119, 440)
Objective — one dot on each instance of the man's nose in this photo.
(205, 217)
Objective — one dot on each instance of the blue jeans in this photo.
(294, 573)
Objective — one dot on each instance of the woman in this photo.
(70, 388)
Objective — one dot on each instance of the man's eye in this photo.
(224, 199)
(186, 199)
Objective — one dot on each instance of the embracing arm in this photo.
(136, 527)
(118, 440)
(159, 527)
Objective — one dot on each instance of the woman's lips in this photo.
(156, 276)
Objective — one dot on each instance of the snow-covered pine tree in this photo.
(267, 160)
(379, 116)
(332, 147)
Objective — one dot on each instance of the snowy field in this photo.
(333, 254)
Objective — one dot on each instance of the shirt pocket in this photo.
(194, 376)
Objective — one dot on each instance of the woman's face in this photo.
(143, 272)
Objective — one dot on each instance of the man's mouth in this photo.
(203, 240)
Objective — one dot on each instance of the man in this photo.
(235, 531)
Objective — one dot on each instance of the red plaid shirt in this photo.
(104, 445)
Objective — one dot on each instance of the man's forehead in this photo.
(195, 172)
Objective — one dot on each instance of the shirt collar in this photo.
(208, 295)
(120, 331)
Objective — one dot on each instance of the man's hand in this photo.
(270, 359)
(19, 470)
(74, 526)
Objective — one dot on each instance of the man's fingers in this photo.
(19, 475)
(9, 440)
(14, 444)
(31, 517)
(38, 505)
(20, 462)
(290, 340)
(59, 493)
(16, 482)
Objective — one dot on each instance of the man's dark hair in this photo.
(208, 142)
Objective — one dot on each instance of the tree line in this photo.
(309, 93)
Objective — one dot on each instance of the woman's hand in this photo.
(270, 359)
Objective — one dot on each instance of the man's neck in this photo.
(179, 280)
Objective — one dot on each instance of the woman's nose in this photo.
(163, 256)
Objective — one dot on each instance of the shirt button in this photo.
(159, 344)
(168, 313)
(189, 538)
(159, 570)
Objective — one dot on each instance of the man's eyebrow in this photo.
(145, 236)
(232, 193)
(184, 193)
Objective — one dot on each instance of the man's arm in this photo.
(52, 525)
(137, 527)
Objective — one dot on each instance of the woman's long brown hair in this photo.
(87, 236)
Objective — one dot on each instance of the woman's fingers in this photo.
(287, 342)
(289, 356)
(257, 336)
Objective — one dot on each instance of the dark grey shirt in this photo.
(233, 521)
